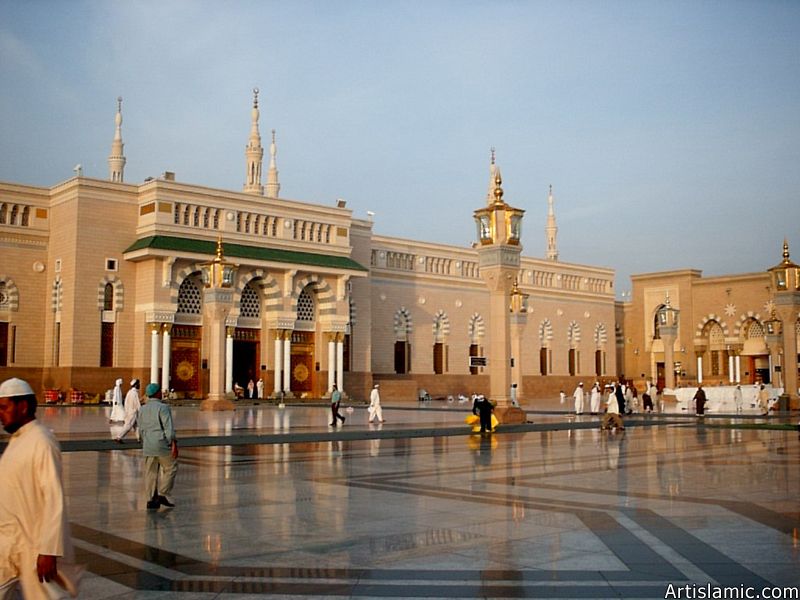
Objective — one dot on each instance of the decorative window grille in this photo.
(189, 299)
(305, 307)
(250, 303)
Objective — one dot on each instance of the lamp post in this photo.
(499, 229)
(218, 276)
(773, 338)
(668, 327)
(518, 309)
(785, 278)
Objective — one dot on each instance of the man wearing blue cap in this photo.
(160, 448)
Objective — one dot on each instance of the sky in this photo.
(670, 131)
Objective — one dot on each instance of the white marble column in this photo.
(165, 356)
(731, 369)
(340, 361)
(287, 363)
(276, 389)
(154, 343)
(331, 362)
(738, 365)
(699, 369)
(229, 360)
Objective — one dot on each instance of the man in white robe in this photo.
(595, 399)
(34, 530)
(375, 405)
(578, 395)
(117, 409)
(132, 406)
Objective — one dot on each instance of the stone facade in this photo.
(104, 279)
(722, 333)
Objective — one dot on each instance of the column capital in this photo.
(229, 331)
(154, 328)
(167, 327)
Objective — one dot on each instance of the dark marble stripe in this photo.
(724, 570)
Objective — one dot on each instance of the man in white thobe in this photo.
(737, 398)
(595, 398)
(132, 406)
(375, 405)
(578, 395)
(117, 408)
(34, 530)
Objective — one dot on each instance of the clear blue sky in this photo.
(670, 131)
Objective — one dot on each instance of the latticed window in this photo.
(189, 299)
(755, 330)
(716, 337)
(4, 299)
(250, 304)
(305, 307)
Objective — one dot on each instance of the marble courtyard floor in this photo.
(274, 503)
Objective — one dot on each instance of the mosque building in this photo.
(103, 278)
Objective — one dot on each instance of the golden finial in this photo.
(498, 191)
(785, 250)
(219, 256)
(119, 103)
(255, 97)
(492, 151)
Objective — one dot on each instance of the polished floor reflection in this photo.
(558, 510)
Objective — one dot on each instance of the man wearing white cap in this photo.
(375, 405)
(578, 395)
(34, 530)
(132, 407)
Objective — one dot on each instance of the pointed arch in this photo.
(701, 325)
(325, 295)
(180, 276)
(545, 333)
(600, 335)
(265, 282)
(403, 325)
(573, 334)
(119, 293)
(739, 329)
(476, 328)
(441, 326)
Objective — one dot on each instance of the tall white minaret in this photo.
(493, 171)
(116, 160)
(254, 153)
(551, 230)
(273, 187)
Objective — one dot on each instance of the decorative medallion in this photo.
(300, 372)
(185, 370)
(587, 314)
(730, 309)
(559, 312)
(769, 306)
(458, 303)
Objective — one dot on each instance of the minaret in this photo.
(551, 230)
(116, 160)
(254, 153)
(273, 187)
(493, 171)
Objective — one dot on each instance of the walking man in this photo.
(578, 395)
(336, 398)
(160, 448)
(132, 407)
(375, 405)
(700, 401)
(738, 399)
(34, 529)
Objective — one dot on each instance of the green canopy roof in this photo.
(177, 244)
